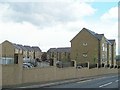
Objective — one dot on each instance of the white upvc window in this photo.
(84, 55)
(84, 44)
(20, 51)
(6, 60)
(16, 51)
(103, 47)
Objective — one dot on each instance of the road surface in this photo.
(107, 81)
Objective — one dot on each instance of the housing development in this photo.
(90, 54)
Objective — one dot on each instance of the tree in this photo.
(44, 56)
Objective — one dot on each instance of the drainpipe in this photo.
(99, 50)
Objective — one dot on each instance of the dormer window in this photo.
(84, 44)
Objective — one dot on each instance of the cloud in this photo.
(45, 13)
(48, 24)
(109, 25)
(111, 14)
(59, 0)
(27, 34)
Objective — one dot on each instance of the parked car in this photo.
(29, 65)
(59, 64)
(79, 67)
(25, 66)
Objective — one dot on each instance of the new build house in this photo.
(93, 48)
(10, 51)
(62, 54)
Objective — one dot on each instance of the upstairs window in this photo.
(103, 47)
(84, 44)
(84, 55)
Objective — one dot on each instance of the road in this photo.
(108, 81)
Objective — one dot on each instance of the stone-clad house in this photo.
(24, 51)
(30, 52)
(93, 48)
(9, 52)
(62, 54)
(37, 52)
(113, 52)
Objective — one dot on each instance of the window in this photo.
(16, 59)
(84, 55)
(6, 60)
(16, 51)
(84, 44)
(21, 52)
(103, 47)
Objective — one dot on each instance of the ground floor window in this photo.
(6, 60)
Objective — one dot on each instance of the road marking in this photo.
(31, 86)
(90, 80)
(105, 84)
(116, 80)
(95, 79)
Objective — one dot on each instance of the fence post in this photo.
(54, 62)
(88, 65)
(97, 65)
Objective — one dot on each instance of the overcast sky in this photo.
(53, 23)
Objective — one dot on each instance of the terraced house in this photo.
(62, 54)
(93, 48)
(9, 52)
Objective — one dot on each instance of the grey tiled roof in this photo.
(97, 36)
(29, 48)
(52, 50)
(64, 49)
(23, 48)
(17, 47)
(112, 41)
(35, 48)
(108, 42)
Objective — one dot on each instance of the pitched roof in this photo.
(112, 41)
(99, 36)
(52, 50)
(23, 48)
(96, 35)
(108, 42)
(29, 48)
(63, 49)
(16, 46)
(36, 48)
